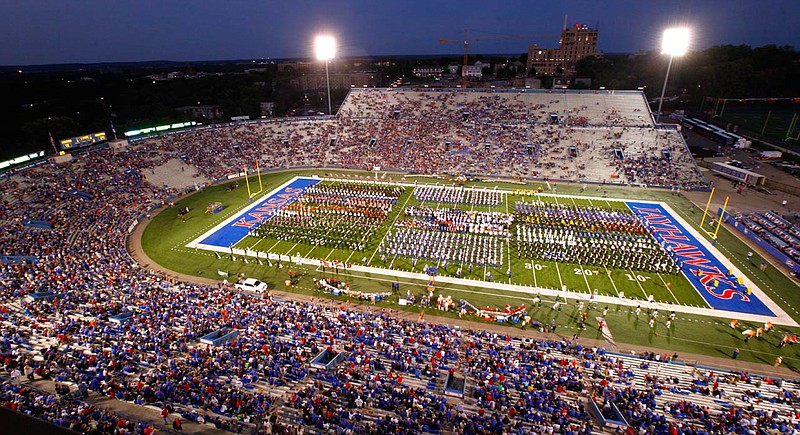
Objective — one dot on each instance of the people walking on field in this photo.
(526, 321)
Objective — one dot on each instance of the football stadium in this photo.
(448, 261)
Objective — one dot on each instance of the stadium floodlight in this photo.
(325, 47)
(675, 42)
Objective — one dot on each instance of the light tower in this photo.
(674, 43)
(325, 47)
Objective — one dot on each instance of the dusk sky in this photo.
(86, 31)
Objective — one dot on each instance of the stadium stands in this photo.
(128, 333)
(777, 235)
(367, 135)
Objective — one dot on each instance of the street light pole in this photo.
(328, 82)
(674, 43)
(325, 47)
(663, 90)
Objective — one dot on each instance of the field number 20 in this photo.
(586, 272)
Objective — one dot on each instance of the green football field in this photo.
(772, 120)
(574, 277)
(167, 235)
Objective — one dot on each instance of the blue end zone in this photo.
(257, 213)
(698, 264)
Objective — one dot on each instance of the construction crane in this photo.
(467, 40)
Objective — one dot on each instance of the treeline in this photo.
(726, 71)
(66, 104)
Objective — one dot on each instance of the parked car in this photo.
(252, 284)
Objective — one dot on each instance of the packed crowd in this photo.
(653, 162)
(594, 108)
(441, 248)
(455, 220)
(609, 250)
(377, 195)
(321, 227)
(395, 365)
(777, 231)
(458, 195)
(579, 217)
(588, 235)
(498, 145)
(65, 412)
(153, 358)
(332, 214)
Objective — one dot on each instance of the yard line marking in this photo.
(308, 254)
(273, 246)
(608, 272)
(560, 282)
(677, 301)
(258, 242)
(290, 249)
(586, 280)
(348, 257)
(508, 252)
(472, 207)
(390, 227)
(508, 242)
(646, 296)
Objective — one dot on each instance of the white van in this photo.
(252, 285)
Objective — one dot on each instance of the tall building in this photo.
(475, 70)
(576, 42)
